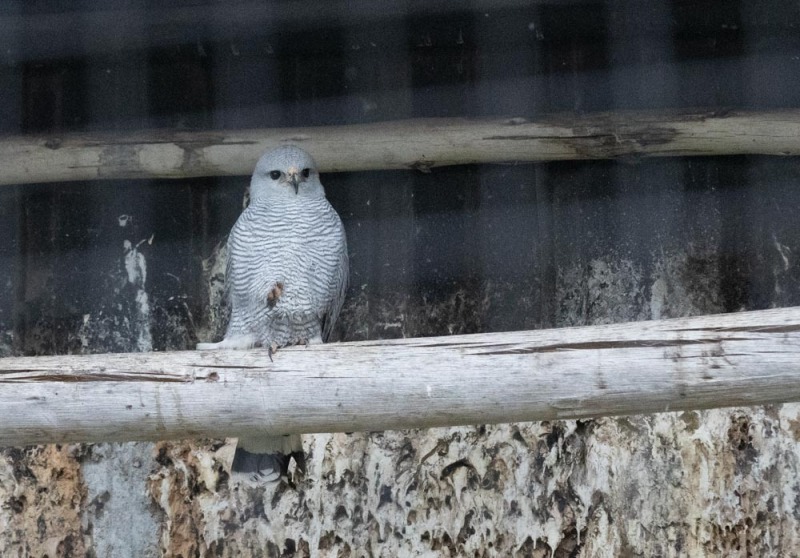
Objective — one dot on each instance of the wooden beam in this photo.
(408, 144)
(746, 358)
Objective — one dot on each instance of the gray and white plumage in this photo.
(285, 281)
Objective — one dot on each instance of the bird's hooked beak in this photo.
(294, 178)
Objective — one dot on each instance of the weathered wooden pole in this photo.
(407, 144)
(745, 358)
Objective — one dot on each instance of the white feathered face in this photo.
(285, 168)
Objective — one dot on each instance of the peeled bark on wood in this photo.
(407, 144)
(745, 358)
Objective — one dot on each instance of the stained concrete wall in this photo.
(136, 266)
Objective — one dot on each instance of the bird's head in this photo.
(285, 170)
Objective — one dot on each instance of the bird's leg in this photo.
(274, 294)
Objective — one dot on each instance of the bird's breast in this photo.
(297, 245)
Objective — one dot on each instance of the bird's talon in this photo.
(272, 348)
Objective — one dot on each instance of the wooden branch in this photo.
(746, 358)
(410, 144)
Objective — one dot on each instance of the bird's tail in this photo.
(267, 459)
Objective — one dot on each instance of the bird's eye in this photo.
(306, 172)
(275, 175)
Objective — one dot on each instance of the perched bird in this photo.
(285, 281)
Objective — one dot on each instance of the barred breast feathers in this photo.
(301, 246)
